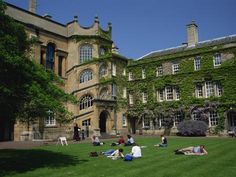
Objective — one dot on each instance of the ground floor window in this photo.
(124, 120)
(50, 120)
(86, 122)
(213, 118)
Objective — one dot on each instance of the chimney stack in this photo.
(192, 32)
(32, 6)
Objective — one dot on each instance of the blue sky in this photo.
(142, 26)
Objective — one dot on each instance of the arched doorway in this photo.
(231, 120)
(103, 121)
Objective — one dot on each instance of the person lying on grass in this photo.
(114, 154)
(192, 150)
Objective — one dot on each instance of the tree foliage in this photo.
(27, 90)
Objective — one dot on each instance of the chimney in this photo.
(192, 32)
(32, 6)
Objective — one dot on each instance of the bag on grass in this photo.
(128, 157)
(93, 154)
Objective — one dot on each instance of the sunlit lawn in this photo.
(73, 160)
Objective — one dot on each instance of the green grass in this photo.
(73, 160)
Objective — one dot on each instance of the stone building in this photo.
(117, 95)
(87, 60)
(193, 81)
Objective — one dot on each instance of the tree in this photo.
(27, 90)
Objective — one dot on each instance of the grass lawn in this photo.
(73, 160)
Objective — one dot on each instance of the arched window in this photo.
(86, 102)
(86, 76)
(50, 53)
(103, 70)
(85, 53)
(104, 94)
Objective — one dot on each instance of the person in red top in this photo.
(121, 140)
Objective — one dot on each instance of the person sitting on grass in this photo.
(163, 142)
(96, 141)
(119, 142)
(197, 150)
(130, 141)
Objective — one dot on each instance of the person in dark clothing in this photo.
(76, 133)
(163, 142)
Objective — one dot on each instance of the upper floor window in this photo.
(124, 72)
(124, 95)
(199, 92)
(169, 93)
(50, 54)
(130, 76)
(113, 89)
(217, 59)
(175, 68)
(131, 99)
(143, 74)
(197, 63)
(208, 89)
(144, 97)
(159, 71)
(85, 53)
(102, 51)
(113, 67)
(86, 102)
(103, 70)
(86, 76)
(50, 120)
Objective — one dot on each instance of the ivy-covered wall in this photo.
(186, 79)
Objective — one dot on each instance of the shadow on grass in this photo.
(20, 161)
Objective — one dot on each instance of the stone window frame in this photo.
(85, 76)
(86, 101)
(86, 53)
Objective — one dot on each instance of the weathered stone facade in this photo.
(87, 60)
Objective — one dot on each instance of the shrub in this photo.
(192, 128)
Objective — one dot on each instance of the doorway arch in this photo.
(231, 115)
(103, 121)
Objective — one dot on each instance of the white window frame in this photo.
(195, 116)
(213, 118)
(209, 89)
(113, 88)
(130, 76)
(86, 122)
(131, 99)
(124, 72)
(145, 122)
(199, 91)
(177, 93)
(124, 120)
(175, 68)
(144, 97)
(217, 59)
(113, 69)
(124, 94)
(168, 93)
(177, 118)
(159, 71)
(197, 63)
(161, 95)
(143, 74)
(219, 89)
(50, 120)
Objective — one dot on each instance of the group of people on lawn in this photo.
(136, 149)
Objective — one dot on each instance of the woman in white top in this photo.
(136, 151)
